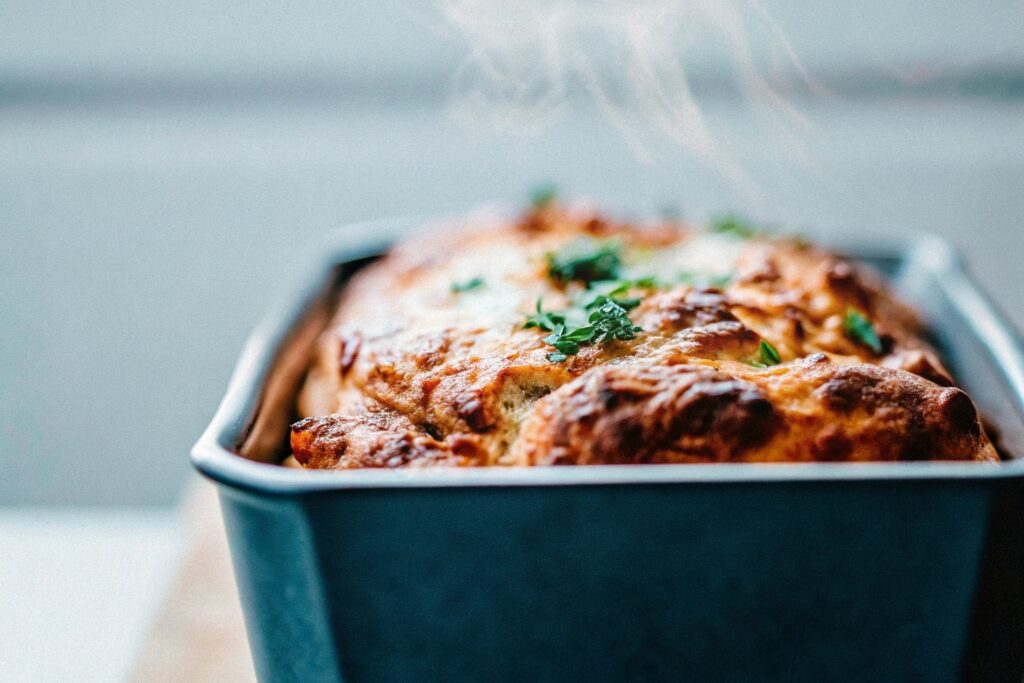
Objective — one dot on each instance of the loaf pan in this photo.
(837, 571)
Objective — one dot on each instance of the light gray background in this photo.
(163, 165)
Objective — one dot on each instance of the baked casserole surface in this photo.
(564, 338)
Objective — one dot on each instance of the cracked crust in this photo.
(412, 374)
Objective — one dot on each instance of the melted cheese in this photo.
(413, 374)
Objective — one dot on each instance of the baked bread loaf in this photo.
(567, 338)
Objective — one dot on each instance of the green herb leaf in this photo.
(731, 225)
(468, 285)
(619, 287)
(769, 354)
(628, 304)
(608, 322)
(611, 322)
(543, 195)
(586, 261)
(600, 300)
(613, 290)
(569, 348)
(859, 329)
(580, 334)
(548, 320)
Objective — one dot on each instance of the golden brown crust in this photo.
(415, 374)
(810, 410)
(372, 440)
(617, 414)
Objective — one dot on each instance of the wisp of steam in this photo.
(636, 61)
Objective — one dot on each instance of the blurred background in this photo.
(164, 166)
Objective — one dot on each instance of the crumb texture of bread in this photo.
(737, 348)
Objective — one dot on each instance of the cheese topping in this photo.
(565, 338)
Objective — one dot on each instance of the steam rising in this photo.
(530, 60)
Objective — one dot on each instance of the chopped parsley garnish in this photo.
(607, 321)
(731, 225)
(610, 322)
(599, 291)
(627, 303)
(468, 285)
(586, 261)
(543, 195)
(769, 354)
(859, 329)
(545, 320)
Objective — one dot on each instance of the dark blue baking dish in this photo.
(875, 572)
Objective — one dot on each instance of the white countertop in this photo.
(79, 589)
